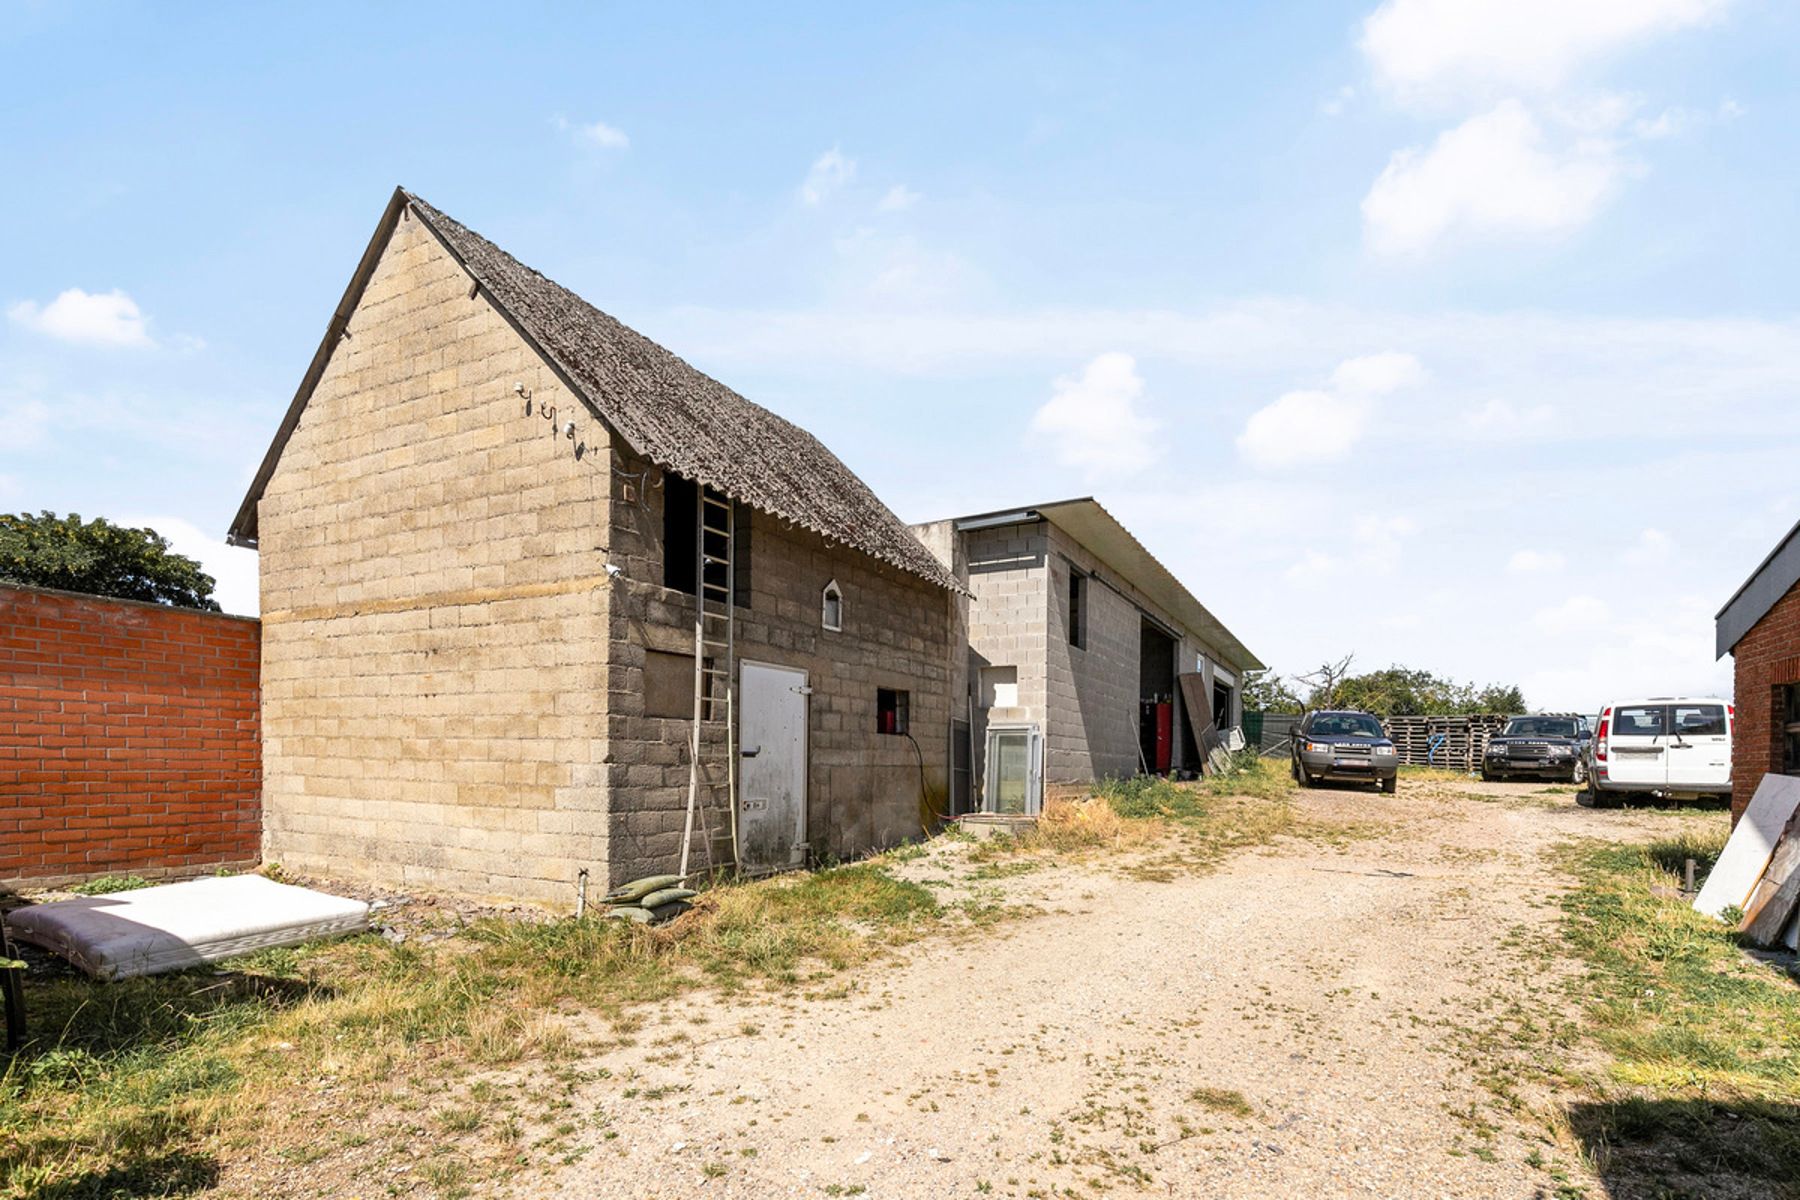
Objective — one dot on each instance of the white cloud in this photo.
(1500, 418)
(1663, 649)
(829, 172)
(1312, 567)
(1377, 374)
(1653, 548)
(1379, 540)
(898, 198)
(1375, 543)
(1092, 420)
(1534, 562)
(594, 133)
(1314, 426)
(1338, 102)
(1493, 174)
(22, 423)
(1301, 428)
(92, 318)
(1577, 614)
(1434, 46)
(234, 570)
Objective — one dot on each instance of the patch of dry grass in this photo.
(150, 1086)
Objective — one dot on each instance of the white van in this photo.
(1676, 747)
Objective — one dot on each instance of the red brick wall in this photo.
(1768, 656)
(129, 738)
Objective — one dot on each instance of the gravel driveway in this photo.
(1309, 1019)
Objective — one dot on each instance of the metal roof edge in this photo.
(1758, 594)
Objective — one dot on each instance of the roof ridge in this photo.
(681, 418)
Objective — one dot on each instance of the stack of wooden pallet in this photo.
(1457, 742)
(1756, 881)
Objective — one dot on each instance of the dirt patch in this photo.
(1370, 1014)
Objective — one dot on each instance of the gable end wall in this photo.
(434, 603)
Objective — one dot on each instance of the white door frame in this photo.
(801, 846)
(1034, 764)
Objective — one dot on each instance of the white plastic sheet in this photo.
(1746, 855)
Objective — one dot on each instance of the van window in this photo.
(1700, 720)
(1639, 722)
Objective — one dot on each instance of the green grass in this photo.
(1703, 1042)
(106, 885)
(146, 1086)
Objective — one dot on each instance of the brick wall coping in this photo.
(9, 585)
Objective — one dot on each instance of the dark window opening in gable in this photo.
(891, 710)
(681, 562)
(1077, 609)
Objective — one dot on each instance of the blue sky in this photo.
(1457, 333)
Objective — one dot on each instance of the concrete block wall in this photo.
(128, 738)
(435, 607)
(1093, 698)
(1766, 659)
(863, 786)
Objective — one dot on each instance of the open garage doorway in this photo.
(1156, 699)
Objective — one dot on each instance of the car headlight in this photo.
(1315, 747)
(1384, 750)
(1496, 751)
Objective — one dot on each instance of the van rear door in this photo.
(1637, 749)
(1699, 747)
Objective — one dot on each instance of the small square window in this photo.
(891, 711)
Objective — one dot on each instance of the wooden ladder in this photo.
(715, 668)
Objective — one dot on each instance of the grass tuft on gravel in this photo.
(1703, 1040)
(149, 1086)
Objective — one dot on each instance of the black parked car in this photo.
(1330, 744)
(1538, 748)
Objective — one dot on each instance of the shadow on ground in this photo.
(167, 1175)
(1692, 1149)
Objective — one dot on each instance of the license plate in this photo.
(1362, 763)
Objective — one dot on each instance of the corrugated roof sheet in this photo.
(673, 414)
(684, 420)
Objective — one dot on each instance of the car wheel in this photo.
(1304, 776)
(1390, 785)
(1488, 776)
(1578, 773)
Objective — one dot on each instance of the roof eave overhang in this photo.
(1773, 579)
(1116, 546)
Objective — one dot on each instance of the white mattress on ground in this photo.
(177, 925)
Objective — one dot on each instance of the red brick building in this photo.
(129, 738)
(1760, 628)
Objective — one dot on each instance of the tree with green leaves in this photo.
(99, 558)
(1265, 691)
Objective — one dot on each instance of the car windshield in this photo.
(1345, 725)
(1548, 727)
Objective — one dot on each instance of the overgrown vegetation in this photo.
(1704, 1041)
(139, 1087)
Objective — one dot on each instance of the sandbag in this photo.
(637, 889)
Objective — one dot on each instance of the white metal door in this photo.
(1699, 746)
(1637, 748)
(772, 778)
